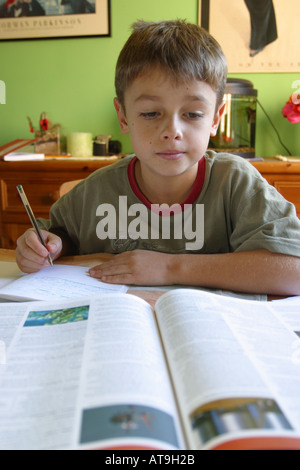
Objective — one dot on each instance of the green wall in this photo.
(73, 80)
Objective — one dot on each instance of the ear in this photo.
(121, 116)
(217, 119)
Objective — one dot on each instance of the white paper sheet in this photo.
(57, 282)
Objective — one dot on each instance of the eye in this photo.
(151, 115)
(194, 116)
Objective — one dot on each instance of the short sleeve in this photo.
(266, 220)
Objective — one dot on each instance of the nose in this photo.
(171, 129)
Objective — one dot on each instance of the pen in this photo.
(32, 218)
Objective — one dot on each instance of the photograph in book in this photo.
(57, 317)
(237, 415)
(127, 421)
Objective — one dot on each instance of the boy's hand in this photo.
(136, 267)
(31, 255)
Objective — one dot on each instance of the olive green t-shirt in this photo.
(231, 208)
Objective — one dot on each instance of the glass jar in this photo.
(236, 132)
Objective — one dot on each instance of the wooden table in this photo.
(7, 255)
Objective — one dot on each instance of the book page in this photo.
(11, 315)
(57, 282)
(86, 374)
(228, 358)
(288, 310)
(40, 382)
(126, 399)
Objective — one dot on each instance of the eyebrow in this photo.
(200, 98)
(145, 97)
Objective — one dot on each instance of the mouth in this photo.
(171, 154)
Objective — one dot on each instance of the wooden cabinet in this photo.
(285, 176)
(41, 182)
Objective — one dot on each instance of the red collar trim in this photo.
(192, 197)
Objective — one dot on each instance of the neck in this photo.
(165, 190)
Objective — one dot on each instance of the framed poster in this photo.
(256, 35)
(36, 19)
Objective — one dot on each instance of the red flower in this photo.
(292, 109)
(44, 123)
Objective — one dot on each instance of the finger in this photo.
(29, 265)
(33, 242)
(122, 259)
(32, 247)
(27, 259)
(29, 268)
(119, 279)
(100, 268)
(109, 269)
(26, 256)
(54, 245)
(115, 273)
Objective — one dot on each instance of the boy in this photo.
(170, 81)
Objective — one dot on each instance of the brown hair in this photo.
(184, 50)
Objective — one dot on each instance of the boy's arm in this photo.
(254, 272)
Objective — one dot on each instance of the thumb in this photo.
(54, 244)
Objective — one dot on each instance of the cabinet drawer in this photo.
(41, 182)
(11, 232)
(41, 196)
(291, 191)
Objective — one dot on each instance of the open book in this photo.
(202, 372)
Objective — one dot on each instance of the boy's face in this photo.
(169, 124)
